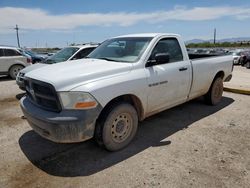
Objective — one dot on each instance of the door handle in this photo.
(183, 68)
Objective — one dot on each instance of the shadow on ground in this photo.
(83, 159)
(20, 95)
(5, 78)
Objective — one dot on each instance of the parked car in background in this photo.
(71, 53)
(245, 59)
(12, 61)
(50, 54)
(66, 54)
(34, 56)
(236, 57)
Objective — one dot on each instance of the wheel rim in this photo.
(121, 127)
(16, 70)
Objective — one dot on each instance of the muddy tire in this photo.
(118, 128)
(214, 95)
(14, 70)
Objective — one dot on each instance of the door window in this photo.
(10, 52)
(170, 46)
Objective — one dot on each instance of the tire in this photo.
(248, 65)
(214, 95)
(36, 61)
(14, 71)
(118, 128)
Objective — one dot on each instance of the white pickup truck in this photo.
(123, 81)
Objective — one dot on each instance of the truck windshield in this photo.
(63, 55)
(127, 49)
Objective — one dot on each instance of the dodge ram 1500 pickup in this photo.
(123, 81)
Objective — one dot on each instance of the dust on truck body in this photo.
(123, 81)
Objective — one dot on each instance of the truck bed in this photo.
(199, 56)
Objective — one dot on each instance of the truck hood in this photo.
(68, 75)
(32, 67)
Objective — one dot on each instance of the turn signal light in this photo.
(81, 105)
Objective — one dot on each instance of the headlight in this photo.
(77, 100)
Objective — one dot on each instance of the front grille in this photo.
(42, 94)
(21, 76)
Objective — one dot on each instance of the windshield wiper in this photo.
(105, 58)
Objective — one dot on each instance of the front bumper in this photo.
(65, 127)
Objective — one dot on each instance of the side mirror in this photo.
(159, 58)
(162, 58)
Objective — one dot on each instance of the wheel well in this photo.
(220, 74)
(13, 66)
(129, 98)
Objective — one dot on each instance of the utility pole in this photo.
(17, 36)
(214, 35)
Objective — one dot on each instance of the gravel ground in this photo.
(192, 145)
(241, 79)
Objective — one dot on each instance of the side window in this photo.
(1, 53)
(83, 53)
(170, 46)
(10, 52)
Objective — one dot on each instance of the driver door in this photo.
(168, 83)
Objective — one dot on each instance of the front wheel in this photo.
(14, 70)
(118, 128)
(214, 95)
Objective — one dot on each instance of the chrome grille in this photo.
(42, 94)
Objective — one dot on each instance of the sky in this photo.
(58, 23)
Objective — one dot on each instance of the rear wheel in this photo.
(118, 128)
(14, 70)
(214, 94)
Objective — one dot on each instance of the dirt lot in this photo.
(192, 145)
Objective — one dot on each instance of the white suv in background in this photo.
(12, 61)
(66, 54)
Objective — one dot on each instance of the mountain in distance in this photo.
(239, 39)
(195, 41)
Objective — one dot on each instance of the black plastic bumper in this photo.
(65, 127)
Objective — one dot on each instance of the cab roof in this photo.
(148, 35)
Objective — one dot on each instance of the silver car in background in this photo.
(12, 61)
